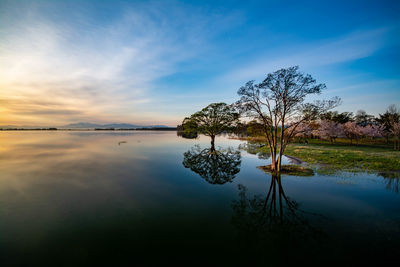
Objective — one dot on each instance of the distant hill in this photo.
(87, 125)
(83, 125)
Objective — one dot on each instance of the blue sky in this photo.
(155, 62)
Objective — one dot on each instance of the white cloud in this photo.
(347, 48)
(99, 70)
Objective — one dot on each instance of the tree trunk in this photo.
(279, 165)
(398, 144)
(273, 160)
(212, 143)
(281, 144)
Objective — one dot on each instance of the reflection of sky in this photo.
(56, 179)
(49, 176)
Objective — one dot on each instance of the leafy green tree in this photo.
(213, 120)
(388, 119)
(255, 128)
(241, 129)
(188, 129)
(337, 117)
(362, 118)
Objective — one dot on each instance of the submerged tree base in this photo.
(290, 170)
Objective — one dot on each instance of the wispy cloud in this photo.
(102, 72)
(354, 46)
(359, 95)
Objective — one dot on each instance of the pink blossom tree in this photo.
(372, 131)
(396, 132)
(330, 130)
(302, 130)
(352, 131)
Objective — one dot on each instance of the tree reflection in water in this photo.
(272, 225)
(255, 148)
(216, 167)
(392, 181)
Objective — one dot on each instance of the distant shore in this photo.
(91, 129)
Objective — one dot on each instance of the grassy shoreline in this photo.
(341, 156)
(347, 158)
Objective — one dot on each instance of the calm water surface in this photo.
(123, 198)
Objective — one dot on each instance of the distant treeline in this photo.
(28, 129)
(328, 125)
(96, 129)
(138, 129)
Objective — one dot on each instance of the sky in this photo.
(156, 62)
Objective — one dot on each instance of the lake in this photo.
(71, 198)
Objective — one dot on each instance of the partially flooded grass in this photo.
(347, 158)
(328, 158)
(290, 170)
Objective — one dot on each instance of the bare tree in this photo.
(278, 102)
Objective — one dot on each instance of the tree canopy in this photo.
(337, 117)
(213, 120)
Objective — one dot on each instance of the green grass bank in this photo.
(372, 157)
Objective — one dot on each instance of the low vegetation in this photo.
(343, 157)
(290, 169)
(328, 158)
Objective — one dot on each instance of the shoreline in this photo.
(89, 130)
